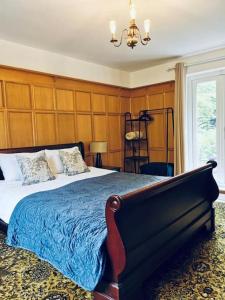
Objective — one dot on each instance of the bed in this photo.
(147, 225)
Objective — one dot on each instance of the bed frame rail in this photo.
(149, 225)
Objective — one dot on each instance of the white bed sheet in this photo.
(12, 192)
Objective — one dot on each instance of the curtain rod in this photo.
(201, 62)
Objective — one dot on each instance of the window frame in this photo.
(190, 119)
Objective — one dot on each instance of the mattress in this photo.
(12, 192)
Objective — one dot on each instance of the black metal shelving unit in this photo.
(134, 146)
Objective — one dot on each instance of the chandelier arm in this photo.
(121, 39)
(141, 40)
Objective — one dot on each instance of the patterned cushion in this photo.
(73, 162)
(34, 170)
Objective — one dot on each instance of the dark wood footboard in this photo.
(3, 226)
(149, 225)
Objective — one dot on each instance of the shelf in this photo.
(136, 140)
(136, 158)
(137, 120)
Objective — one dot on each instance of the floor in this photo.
(221, 197)
(195, 273)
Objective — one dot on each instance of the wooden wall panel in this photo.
(115, 159)
(83, 101)
(45, 128)
(18, 95)
(44, 98)
(156, 101)
(169, 99)
(64, 100)
(125, 105)
(20, 129)
(1, 95)
(84, 130)
(98, 103)
(171, 156)
(3, 139)
(156, 131)
(137, 104)
(39, 109)
(100, 128)
(156, 97)
(114, 104)
(66, 128)
(115, 133)
(157, 155)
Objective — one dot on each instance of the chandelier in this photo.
(132, 34)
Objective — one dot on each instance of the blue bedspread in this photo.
(67, 227)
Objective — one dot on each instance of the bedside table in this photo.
(113, 168)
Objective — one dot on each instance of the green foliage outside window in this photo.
(206, 121)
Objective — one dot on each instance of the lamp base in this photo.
(98, 162)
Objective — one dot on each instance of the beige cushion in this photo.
(34, 170)
(73, 162)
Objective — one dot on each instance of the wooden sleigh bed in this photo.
(149, 225)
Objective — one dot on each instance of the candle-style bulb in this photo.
(132, 11)
(147, 26)
(112, 26)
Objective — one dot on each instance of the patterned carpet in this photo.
(197, 273)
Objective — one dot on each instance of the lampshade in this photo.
(98, 147)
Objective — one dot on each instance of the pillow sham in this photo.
(73, 162)
(10, 167)
(54, 161)
(34, 170)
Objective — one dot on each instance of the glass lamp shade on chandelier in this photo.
(132, 34)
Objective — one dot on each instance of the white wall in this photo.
(20, 56)
(160, 73)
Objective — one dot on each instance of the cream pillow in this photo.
(34, 169)
(73, 162)
(54, 161)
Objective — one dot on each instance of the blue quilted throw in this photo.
(67, 226)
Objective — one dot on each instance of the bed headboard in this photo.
(80, 145)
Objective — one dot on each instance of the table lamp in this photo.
(98, 148)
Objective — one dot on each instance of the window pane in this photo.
(206, 121)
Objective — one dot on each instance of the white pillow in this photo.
(54, 160)
(10, 167)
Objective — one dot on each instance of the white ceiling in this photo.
(79, 28)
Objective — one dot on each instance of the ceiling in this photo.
(79, 28)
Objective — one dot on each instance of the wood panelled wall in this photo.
(155, 97)
(40, 109)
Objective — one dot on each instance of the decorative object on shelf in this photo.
(98, 148)
(132, 35)
(134, 135)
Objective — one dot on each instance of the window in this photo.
(205, 118)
